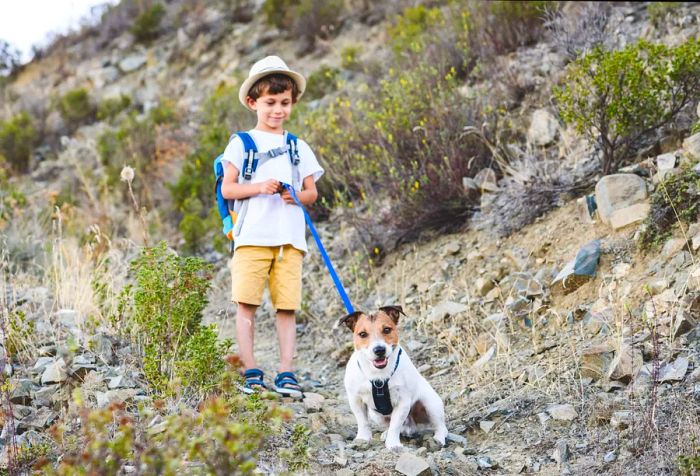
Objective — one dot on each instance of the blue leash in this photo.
(324, 255)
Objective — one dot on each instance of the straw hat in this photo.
(266, 66)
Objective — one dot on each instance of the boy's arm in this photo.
(306, 196)
(232, 190)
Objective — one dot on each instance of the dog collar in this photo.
(380, 390)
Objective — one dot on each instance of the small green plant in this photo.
(659, 11)
(350, 58)
(222, 437)
(12, 201)
(297, 456)
(18, 137)
(408, 31)
(675, 200)
(146, 27)
(305, 19)
(20, 333)
(192, 193)
(76, 107)
(111, 107)
(321, 82)
(166, 304)
(619, 98)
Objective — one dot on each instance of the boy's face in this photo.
(272, 110)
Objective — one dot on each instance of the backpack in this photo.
(232, 212)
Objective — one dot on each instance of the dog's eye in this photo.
(387, 330)
(363, 334)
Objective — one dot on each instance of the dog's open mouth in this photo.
(380, 363)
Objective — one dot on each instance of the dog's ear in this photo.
(393, 312)
(350, 320)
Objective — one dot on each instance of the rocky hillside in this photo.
(550, 280)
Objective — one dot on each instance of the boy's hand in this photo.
(269, 187)
(287, 197)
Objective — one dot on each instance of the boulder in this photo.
(627, 362)
(445, 309)
(673, 371)
(691, 146)
(629, 215)
(55, 372)
(563, 412)
(543, 128)
(595, 361)
(132, 62)
(580, 270)
(618, 191)
(664, 164)
(412, 465)
(486, 180)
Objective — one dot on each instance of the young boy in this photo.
(271, 242)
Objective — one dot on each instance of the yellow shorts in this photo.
(251, 267)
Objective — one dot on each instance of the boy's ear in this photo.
(350, 320)
(393, 312)
(251, 102)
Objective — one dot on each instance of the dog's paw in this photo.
(394, 446)
(440, 439)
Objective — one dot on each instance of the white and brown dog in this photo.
(382, 383)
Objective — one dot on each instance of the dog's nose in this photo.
(379, 350)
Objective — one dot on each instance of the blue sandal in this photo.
(286, 384)
(253, 381)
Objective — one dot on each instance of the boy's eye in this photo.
(387, 330)
(363, 334)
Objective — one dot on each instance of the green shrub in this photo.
(659, 11)
(399, 150)
(222, 438)
(349, 58)
(134, 143)
(408, 32)
(166, 304)
(111, 107)
(12, 201)
(10, 59)
(297, 457)
(76, 107)
(675, 200)
(146, 27)
(18, 137)
(321, 82)
(193, 196)
(620, 98)
(304, 19)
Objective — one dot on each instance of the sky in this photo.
(24, 23)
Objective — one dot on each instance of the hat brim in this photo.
(250, 81)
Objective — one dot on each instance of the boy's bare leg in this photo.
(245, 333)
(286, 333)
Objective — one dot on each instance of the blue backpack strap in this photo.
(293, 149)
(250, 163)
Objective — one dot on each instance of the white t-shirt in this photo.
(270, 221)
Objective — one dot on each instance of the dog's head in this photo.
(375, 335)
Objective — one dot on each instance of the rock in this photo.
(43, 418)
(563, 412)
(22, 392)
(55, 372)
(120, 381)
(452, 248)
(672, 247)
(44, 397)
(664, 164)
(485, 462)
(691, 146)
(627, 362)
(579, 270)
(561, 452)
(313, 402)
(629, 215)
(116, 396)
(585, 209)
(595, 361)
(411, 465)
(657, 286)
(485, 358)
(483, 285)
(455, 438)
(103, 346)
(484, 342)
(610, 457)
(470, 185)
(622, 419)
(674, 371)
(618, 191)
(683, 323)
(132, 62)
(445, 309)
(486, 180)
(543, 128)
(345, 472)
(486, 425)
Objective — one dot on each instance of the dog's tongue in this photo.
(380, 363)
